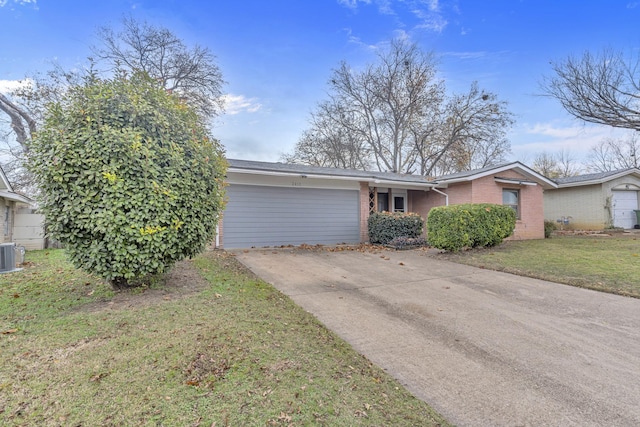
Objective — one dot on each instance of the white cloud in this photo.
(353, 4)
(428, 12)
(468, 55)
(236, 104)
(34, 3)
(528, 140)
(7, 86)
(551, 130)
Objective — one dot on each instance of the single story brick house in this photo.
(274, 204)
(595, 201)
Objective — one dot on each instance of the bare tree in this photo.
(559, 165)
(545, 164)
(328, 143)
(394, 115)
(568, 164)
(603, 88)
(615, 154)
(21, 122)
(190, 72)
(375, 112)
(24, 109)
(470, 134)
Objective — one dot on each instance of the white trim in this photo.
(371, 180)
(5, 181)
(234, 178)
(397, 184)
(626, 187)
(492, 171)
(15, 197)
(514, 181)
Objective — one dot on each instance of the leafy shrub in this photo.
(549, 228)
(471, 225)
(407, 242)
(385, 226)
(130, 179)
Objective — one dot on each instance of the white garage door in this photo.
(258, 216)
(624, 204)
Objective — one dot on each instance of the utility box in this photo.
(637, 219)
(7, 257)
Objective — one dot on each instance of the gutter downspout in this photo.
(446, 196)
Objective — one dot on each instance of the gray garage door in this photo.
(624, 204)
(273, 216)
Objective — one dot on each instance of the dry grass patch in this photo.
(212, 346)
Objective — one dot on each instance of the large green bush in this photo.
(385, 226)
(471, 225)
(130, 179)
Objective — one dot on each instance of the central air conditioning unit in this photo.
(7, 257)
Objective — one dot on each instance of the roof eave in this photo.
(10, 195)
(372, 180)
(602, 180)
(545, 182)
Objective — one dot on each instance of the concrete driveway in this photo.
(483, 348)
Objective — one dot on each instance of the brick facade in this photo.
(364, 211)
(530, 225)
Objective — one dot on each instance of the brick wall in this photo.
(364, 211)
(460, 193)
(530, 225)
(220, 238)
(421, 203)
(486, 190)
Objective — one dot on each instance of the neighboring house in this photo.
(17, 222)
(595, 201)
(273, 204)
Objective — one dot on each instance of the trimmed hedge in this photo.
(471, 225)
(130, 179)
(386, 226)
(549, 228)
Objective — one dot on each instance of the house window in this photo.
(511, 198)
(398, 203)
(383, 202)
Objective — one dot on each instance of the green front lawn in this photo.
(226, 350)
(605, 263)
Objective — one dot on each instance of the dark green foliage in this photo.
(471, 225)
(385, 226)
(130, 179)
(549, 228)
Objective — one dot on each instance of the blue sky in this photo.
(277, 56)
